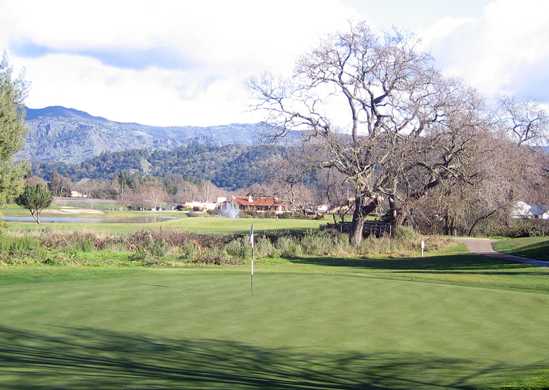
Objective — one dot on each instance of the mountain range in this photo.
(78, 145)
(72, 136)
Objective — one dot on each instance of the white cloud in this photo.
(203, 52)
(441, 29)
(219, 45)
(503, 51)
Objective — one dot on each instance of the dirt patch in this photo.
(73, 211)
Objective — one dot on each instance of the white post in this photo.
(253, 259)
(422, 247)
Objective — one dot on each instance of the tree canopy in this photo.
(12, 131)
(380, 114)
(35, 198)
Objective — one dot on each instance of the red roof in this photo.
(270, 201)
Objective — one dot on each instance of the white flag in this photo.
(252, 236)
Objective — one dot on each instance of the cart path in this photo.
(483, 246)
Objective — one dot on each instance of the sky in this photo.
(167, 62)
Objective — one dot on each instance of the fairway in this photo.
(533, 247)
(202, 225)
(450, 322)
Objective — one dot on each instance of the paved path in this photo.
(483, 246)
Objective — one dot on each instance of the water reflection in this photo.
(63, 219)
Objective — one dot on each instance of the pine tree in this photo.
(12, 132)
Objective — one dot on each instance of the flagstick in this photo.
(253, 259)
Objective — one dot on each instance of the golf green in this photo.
(203, 328)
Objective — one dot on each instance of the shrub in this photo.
(239, 248)
(84, 243)
(317, 243)
(16, 246)
(143, 244)
(289, 247)
(158, 248)
(216, 256)
(138, 255)
(265, 248)
(405, 233)
(189, 250)
(521, 228)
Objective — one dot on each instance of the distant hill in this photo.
(60, 134)
(227, 166)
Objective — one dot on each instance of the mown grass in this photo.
(532, 247)
(381, 317)
(210, 225)
(447, 321)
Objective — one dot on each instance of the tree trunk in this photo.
(35, 216)
(446, 224)
(356, 234)
(478, 220)
(393, 210)
(400, 218)
(362, 209)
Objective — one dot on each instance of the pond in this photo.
(64, 219)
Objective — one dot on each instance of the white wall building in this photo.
(524, 210)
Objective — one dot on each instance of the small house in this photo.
(261, 204)
(523, 210)
(77, 194)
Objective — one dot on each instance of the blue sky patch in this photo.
(127, 58)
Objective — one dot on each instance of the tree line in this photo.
(380, 125)
(426, 148)
(230, 167)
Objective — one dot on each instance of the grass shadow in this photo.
(538, 250)
(457, 262)
(82, 358)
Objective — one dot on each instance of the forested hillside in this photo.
(229, 166)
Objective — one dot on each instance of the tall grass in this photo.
(169, 247)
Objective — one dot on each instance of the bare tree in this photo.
(60, 185)
(500, 174)
(525, 121)
(393, 100)
(153, 195)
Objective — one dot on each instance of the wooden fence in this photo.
(375, 228)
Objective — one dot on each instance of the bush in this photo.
(158, 248)
(84, 241)
(239, 248)
(144, 244)
(138, 255)
(17, 246)
(289, 247)
(522, 228)
(405, 233)
(265, 248)
(317, 243)
(216, 256)
(189, 251)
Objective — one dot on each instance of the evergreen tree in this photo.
(12, 132)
